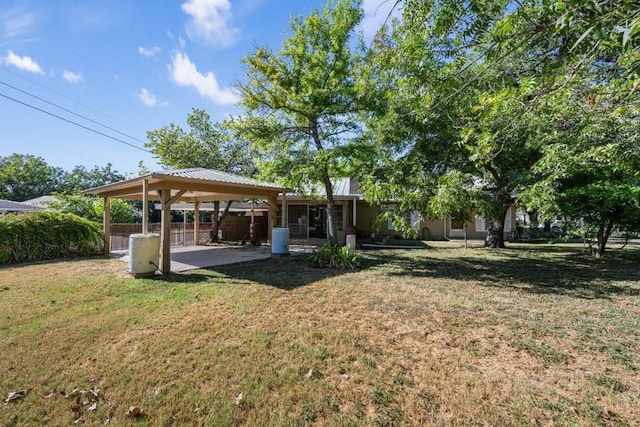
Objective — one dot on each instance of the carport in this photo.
(194, 185)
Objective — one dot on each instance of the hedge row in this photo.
(32, 236)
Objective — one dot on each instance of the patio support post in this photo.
(165, 233)
(165, 220)
(196, 221)
(285, 219)
(145, 207)
(354, 213)
(106, 225)
(272, 201)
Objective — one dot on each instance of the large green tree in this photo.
(207, 145)
(80, 178)
(301, 103)
(24, 177)
(473, 87)
(592, 173)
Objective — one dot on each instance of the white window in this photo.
(414, 220)
(390, 226)
(507, 221)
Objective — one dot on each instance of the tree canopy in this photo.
(490, 88)
(301, 103)
(206, 144)
(24, 177)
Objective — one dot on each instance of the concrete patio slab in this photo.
(185, 258)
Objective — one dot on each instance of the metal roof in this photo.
(197, 184)
(10, 206)
(216, 176)
(343, 188)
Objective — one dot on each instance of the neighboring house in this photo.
(9, 206)
(42, 201)
(306, 218)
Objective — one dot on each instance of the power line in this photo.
(75, 123)
(67, 97)
(71, 112)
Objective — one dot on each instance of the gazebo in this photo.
(194, 185)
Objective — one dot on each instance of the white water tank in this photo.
(144, 253)
(280, 241)
(351, 242)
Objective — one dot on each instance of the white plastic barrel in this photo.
(351, 242)
(280, 241)
(144, 253)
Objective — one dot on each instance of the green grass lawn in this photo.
(531, 335)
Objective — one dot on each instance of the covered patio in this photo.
(196, 185)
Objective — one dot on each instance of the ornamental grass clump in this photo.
(332, 256)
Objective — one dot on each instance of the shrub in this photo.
(33, 236)
(92, 207)
(332, 256)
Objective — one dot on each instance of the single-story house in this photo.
(306, 218)
(42, 201)
(10, 206)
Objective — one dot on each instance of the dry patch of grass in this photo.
(532, 335)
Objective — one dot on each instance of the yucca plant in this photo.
(332, 256)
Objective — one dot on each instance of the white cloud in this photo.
(147, 98)
(22, 62)
(72, 77)
(16, 22)
(376, 13)
(149, 52)
(209, 21)
(184, 73)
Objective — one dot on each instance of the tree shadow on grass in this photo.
(544, 270)
(285, 273)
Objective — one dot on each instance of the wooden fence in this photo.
(233, 228)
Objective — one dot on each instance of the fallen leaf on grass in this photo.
(94, 392)
(134, 411)
(309, 374)
(73, 393)
(15, 395)
(93, 407)
(239, 398)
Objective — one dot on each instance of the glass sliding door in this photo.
(298, 221)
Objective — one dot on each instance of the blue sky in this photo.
(123, 67)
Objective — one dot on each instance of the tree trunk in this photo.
(328, 186)
(604, 231)
(495, 232)
(332, 234)
(217, 219)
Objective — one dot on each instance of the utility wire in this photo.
(88, 107)
(71, 112)
(75, 123)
